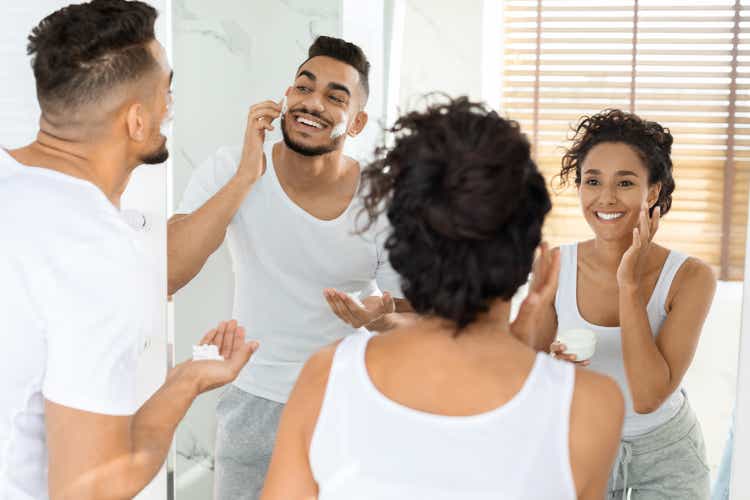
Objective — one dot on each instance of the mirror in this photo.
(639, 56)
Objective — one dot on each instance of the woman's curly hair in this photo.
(651, 141)
(466, 205)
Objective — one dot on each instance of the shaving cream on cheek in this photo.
(166, 124)
(284, 107)
(339, 130)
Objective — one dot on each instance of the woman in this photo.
(451, 405)
(645, 303)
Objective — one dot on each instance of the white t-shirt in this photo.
(283, 258)
(77, 300)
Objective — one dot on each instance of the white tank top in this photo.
(369, 447)
(607, 358)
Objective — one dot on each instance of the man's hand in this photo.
(94, 455)
(259, 120)
(358, 314)
(230, 340)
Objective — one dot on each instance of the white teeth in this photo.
(309, 122)
(609, 216)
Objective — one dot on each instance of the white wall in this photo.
(441, 50)
(146, 192)
(711, 380)
(740, 482)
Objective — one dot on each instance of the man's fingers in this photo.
(242, 350)
(336, 306)
(389, 305)
(350, 312)
(226, 340)
(357, 312)
(232, 327)
(332, 304)
(263, 121)
(266, 105)
(208, 338)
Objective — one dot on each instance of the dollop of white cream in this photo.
(206, 352)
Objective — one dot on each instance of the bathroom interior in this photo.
(229, 54)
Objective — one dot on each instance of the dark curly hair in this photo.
(651, 141)
(466, 205)
(84, 50)
(343, 51)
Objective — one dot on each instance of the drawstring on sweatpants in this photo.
(624, 457)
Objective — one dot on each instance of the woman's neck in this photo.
(608, 253)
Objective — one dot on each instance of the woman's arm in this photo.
(655, 366)
(289, 474)
(596, 415)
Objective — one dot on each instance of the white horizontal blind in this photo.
(678, 63)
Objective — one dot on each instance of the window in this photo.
(683, 64)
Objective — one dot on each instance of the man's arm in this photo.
(96, 456)
(192, 238)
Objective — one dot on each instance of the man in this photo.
(289, 211)
(78, 295)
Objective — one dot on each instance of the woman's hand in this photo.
(633, 261)
(542, 289)
(557, 350)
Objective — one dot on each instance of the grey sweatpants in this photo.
(245, 435)
(667, 463)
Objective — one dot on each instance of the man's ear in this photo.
(136, 122)
(358, 124)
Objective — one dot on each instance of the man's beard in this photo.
(307, 150)
(159, 156)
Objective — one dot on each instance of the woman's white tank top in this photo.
(607, 358)
(367, 446)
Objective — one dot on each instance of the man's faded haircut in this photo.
(83, 51)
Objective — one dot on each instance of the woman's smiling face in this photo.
(614, 186)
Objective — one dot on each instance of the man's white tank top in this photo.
(367, 446)
(607, 358)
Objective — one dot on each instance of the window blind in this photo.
(683, 64)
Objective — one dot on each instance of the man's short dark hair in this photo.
(343, 51)
(81, 52)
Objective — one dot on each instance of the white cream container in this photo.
(580, 342)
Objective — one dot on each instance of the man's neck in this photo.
(102, 164)
(311, 173)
